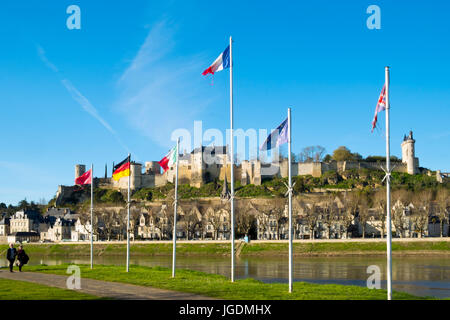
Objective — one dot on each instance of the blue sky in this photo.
(132, 75)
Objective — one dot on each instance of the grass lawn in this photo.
(251, 249)
(22, 290)
(218, 286)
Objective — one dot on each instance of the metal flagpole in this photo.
(128, 217)
(388, 192)
(290, 201)
(92, 215)
(232, 160)
(175, 216)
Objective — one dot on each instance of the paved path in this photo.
(115, 290)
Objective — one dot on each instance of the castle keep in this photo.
(206, 164)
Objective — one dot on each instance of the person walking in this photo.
(11, 256)
(22, 257)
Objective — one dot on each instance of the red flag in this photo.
(85, 178)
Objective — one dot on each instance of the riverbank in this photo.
(427, 246)
(217, 286)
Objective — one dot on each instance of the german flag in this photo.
(122, 169)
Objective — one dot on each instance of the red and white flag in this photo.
(169, 159)
(85, 178)
(381, 106)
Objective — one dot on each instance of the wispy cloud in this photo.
(159, 92)
(79, 97)
(41, 53)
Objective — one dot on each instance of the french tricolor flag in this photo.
(222, 62)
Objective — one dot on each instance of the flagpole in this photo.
(232, 159)
(388, 192)
(290, 201)
(174, 258)
(128, 216)
(92, 215)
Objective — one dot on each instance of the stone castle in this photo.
(206, 164)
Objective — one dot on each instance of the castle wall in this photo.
(316, 169)
(251, 172)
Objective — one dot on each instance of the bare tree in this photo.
(363, 215)
(312, 154)
(401, 198)
(311, 218)
(245, 220)
(379, 200)
(109, 222)
(421, 202)
(190, 220)
(351, 204)
(213, 219)
(263, 222)
(443, 202)
(277, 212)
(330, 212)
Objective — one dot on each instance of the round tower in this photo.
(79, 170)
(135, 175)
(408, 153)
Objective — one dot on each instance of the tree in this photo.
(443, 202)
(108, 221)
(342, 154)
(277, 212)
(363, 215)
(401, 198)
(379, 200)
(190, 220)
(351, 202)
(421, 202)
(311, 218)
(23, 204)
(213, 219)
(330, 213)
(245, 220)
(312, 154)
(327, 158)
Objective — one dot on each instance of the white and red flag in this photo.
(85, 178)
(169, 159)
(381, 106)
(222, 62)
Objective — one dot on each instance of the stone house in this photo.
(26, 221)
(82, 231)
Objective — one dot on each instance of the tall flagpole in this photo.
(174, 258)
(388, 192)
(232, 159)
(128, 217)
(290, 201)
(92, 215)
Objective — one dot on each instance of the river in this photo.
(418, 275)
